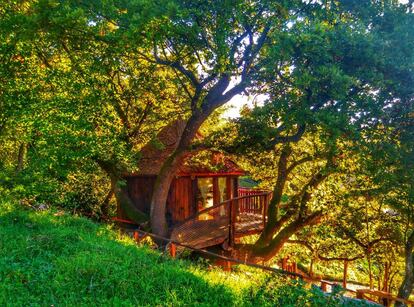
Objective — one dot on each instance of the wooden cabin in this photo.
(196, 186)
(205, 205)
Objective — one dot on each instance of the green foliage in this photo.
(295, 293)
(338, 90)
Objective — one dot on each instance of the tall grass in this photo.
(56, 259)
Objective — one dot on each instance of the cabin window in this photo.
(222, 189)
(222, 193)
(205, 193)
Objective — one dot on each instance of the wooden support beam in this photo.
(344, 279)
(232, 222)
(136, 236)
(359, 294)
(284, 264)
(173, 250)
(324, 286)
(227, 267)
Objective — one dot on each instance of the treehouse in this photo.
(202, 200)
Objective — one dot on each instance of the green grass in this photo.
(61, 260)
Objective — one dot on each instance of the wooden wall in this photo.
(181, 202)
(181, 199)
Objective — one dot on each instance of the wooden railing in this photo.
(254, 205)
(223, 222)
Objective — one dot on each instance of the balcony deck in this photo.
(234, 218)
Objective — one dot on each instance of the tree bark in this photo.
(214, 99)
(122, 198)
(20, 157)
(254, 253)
(371, 280)
(163, 182)
(311, 268)
(386, 276)
(125, 203)
(105, 203)
(274, 222)
(269, 245)
(407, 285)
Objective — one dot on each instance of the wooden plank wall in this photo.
(181, 199)
(181, 202)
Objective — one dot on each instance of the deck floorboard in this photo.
(205, 233)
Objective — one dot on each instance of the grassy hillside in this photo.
(57, 259)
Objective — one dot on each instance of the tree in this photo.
(95, 105)
(341, 86)
(304, 178)
(210, 45)
(388, 163)
(205, 45)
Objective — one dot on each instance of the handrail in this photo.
(253, 190)
(234, 260)
(219, 205)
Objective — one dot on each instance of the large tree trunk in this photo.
(268, 245)
(274, 221)
(163, 182)
(20, 157)
(123, 200)
(125, 203)
(407, 285)
(371, 280)
(159, 197)
(311, 267)
(211, 102)
(271, 228)
(106, 202)
(254, 253)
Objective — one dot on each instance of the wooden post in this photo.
(359, 294)
(284, 264)
(234, 216)
(311, 268)
(227, 267)
(264, 210)
(295, 267)
(231, 223)
(324, 286)
(173, 250)
(344, 280)
(136, 236)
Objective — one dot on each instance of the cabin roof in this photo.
(218, 164)
(155, 153)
